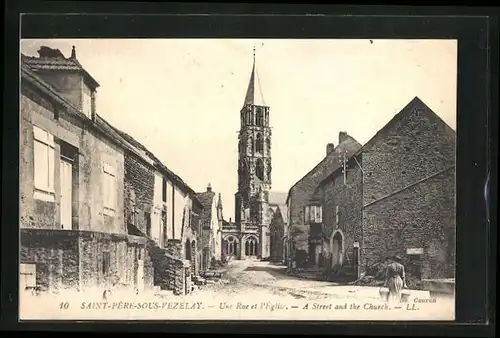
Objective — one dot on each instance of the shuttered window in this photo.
(44, 159)
(109, 189)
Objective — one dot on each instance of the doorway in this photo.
(337, 249)
(66, 205)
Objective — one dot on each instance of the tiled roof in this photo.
(349, 144)
(52, 63)
(351, 147)
(57, 63)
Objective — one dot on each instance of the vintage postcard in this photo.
(237, 179)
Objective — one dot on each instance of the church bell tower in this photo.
(254, 164)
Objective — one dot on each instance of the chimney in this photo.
(73, 52)
(209, 187)
(343, 136)
(230, 220)
(329, 148)
(47, 52)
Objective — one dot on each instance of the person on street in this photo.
(395, 279)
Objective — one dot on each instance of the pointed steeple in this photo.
(254, 92)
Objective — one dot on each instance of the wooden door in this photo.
(66, 178)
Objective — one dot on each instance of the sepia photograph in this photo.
(237, 179)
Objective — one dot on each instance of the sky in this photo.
(181, 98)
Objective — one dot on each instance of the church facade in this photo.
(248, 237)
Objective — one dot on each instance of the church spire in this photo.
(254, 94)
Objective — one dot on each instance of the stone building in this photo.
(212, 219)
(304, 212)
(278, 227)
(249, 236)
(334, 238)
(393, 196)
(97, 208)
(161, 207)
(72, 229)
(409, 193)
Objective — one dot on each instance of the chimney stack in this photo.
(47, 52)
(73, 52)
(343, 136)
(329, 148)
(209, 187)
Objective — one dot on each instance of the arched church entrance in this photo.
(231, 246)
(251, 246)
(337, 244)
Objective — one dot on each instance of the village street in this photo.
(265, 279)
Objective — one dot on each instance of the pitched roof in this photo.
(56, 61)
(174, 177)
(254, 95)
(110, 131)
(277, 198)
(348, 144)
(408, 109)
(415, 103)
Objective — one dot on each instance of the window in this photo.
(259, 144)
(337, 214)
(260, 117)
(313, 214)
(44, 158)
(164, 190)
(147, 217)
(259, 170)
(109, 189)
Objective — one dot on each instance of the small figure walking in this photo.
(395, 279)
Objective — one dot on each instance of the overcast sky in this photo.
(181, 97)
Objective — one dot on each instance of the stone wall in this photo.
(71, 259)
(348, 198)
(419, 217)
(56, 255)
(125, 252)
(139, 183)
(409, 191)
(68, 84)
